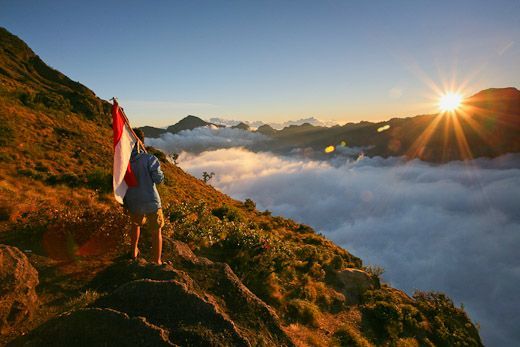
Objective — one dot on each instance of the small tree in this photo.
(175, 157)
(249, 205)
(207, 176)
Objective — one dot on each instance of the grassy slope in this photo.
(56, 202)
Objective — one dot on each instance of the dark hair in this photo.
(139, 133)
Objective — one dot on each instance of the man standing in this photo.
(143, 202)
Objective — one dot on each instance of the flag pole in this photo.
(127, 123)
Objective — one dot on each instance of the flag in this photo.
(124, 142)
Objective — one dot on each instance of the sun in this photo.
(450, 102)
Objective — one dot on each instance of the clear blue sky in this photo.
(273, 60)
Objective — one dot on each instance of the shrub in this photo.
(227, 212)
(450, 325)
(304, 229)
(83, 300)
(69, 179)
(385, 318)
(206, 176)
(348, 336)
(100, 180)
(52, 100)
(412, 319)
(303, 311)
(249, 205)
(374, 270)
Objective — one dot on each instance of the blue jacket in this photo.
(144, 198)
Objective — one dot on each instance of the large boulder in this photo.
(18, 281)
(355, 282)
(96, 327)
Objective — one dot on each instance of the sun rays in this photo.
(458, 120)
(450, 102)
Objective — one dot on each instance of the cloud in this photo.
(205, 138)
(452, 228)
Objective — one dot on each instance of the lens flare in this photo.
(450, 102)
(383, 128)
(329, 149)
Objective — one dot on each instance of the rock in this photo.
(96, 327)
(192, 290)
(18, 280)
(258, 322)
(184, 256)
(355, 282)
(122, 272)
(192, 318)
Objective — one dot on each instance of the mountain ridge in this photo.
(486, 125)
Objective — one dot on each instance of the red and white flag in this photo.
(124, 142)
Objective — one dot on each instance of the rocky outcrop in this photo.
(96, 327)
(192, 317)
(199, 302)
(355, 282)
(18, 281)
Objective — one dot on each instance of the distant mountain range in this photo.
(278, 126)
(487, 125)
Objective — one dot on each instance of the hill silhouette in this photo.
(486, 126)
(237, 276)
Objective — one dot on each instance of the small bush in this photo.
(69, 179)
(303, 312)
(350, 337)
(227, 212)
(450, 325)
(385, 318)
(304, 229)
(374, 270)
(100, 180)
(249, 205)
(83, 300)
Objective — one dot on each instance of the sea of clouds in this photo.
(204, 139)
(453, 228)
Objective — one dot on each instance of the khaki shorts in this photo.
(155, 220)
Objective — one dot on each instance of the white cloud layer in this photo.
(453, 227)
(205, 138)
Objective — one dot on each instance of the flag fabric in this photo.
(124, 142)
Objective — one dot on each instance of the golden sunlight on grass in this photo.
(450, 102)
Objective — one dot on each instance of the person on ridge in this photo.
(143, 202)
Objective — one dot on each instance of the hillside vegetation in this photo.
(237, 276)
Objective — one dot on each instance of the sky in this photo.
(274, 60)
